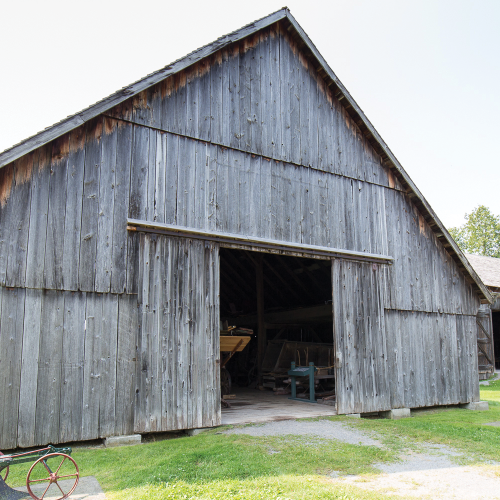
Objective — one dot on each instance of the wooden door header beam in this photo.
(252, 242)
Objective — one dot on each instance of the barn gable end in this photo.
(251, 140)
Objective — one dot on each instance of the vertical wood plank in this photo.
(106, 207)
(11, 338)
(126, 364)
(19, 225)
(38, 218)
(91, 375)
(73, 350)
(172, 179)
(73, 214)
(6, 187)
(106, 364)
(29, 368)
(53, 267)
(121, 208)
(48, 398)
(90, 208)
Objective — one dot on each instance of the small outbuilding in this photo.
(488, 317)
(239, 186)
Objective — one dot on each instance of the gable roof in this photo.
(488, 269)
(322, 68)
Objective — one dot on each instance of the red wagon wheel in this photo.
(4, 471)
(45, 479)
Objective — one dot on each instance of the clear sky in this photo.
(425, 72)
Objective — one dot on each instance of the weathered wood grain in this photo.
(360, 338)
(91, 375)
(38, 219)
(20, 202)
(54, 245)
(49, 381)
(73, 351)
(11, 338)
(106, 203)
(176, 346)
(106, 364)
(29, 368)
(121, 209)
(90, 206)
(126, 364)
(73, 214)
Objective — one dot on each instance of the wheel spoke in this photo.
(46, 466)
(46, 489)
(60, 465)
(60, 488)
(38, 480)
(69, 475)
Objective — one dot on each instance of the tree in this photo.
(480, 234)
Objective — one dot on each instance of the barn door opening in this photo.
(360, 341)
(287, 318)
(178, 344)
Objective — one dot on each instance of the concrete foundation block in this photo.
(353, 415)
(396, 413)
(195, 432)
(123, 440)
(478, 406)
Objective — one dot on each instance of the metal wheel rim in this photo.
(48, 479)
(6, 470)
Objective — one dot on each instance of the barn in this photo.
(239, 186)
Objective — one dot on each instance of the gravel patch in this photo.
(324, 429)
(431, 457)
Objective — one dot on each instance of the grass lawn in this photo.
(218, 466)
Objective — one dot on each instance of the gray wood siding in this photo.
(432, 358)
(424, 277)
(113, 169)
(178, 374)
(362, 375)
(261, 96)
(67, 366)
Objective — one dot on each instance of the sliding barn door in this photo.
(359, 334)
(178, 349)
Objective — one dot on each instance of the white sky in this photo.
(426, 72)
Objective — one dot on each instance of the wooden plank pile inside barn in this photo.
(239, 186)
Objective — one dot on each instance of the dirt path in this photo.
(431, 474)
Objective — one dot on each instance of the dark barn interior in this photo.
(496, 337)
(297, 323)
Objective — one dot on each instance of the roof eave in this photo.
(60, 128)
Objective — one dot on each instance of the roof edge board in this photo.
(391, 157)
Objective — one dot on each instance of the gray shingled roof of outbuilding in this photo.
(488, 269)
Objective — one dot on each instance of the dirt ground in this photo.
(431, 474)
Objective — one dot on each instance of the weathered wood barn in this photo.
(240, 180)
(488, 317)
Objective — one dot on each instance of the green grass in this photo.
(219, 466)
(214, 465)
(462, 429)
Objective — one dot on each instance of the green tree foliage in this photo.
(480, 234)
